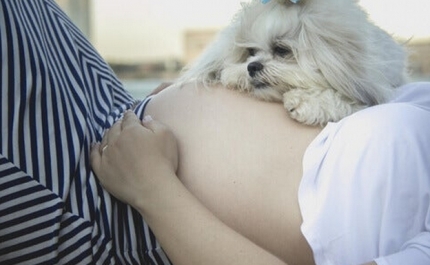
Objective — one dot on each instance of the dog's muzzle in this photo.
(254, 68)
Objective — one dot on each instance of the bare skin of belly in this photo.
(242, 158)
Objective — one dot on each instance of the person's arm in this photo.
(138, 167)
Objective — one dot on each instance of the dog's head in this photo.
(263, 57)
(326, 44)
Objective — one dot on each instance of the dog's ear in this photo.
(352, 55)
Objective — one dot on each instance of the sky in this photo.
(137, 30)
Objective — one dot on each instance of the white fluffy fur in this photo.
(323, 58)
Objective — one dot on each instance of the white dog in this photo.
(323, 58)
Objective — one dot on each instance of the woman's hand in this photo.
(134, 158)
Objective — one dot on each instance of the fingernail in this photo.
(147, 118)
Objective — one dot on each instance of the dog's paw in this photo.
(316, 106)
(303, 107)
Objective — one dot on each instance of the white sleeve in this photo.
(416, 252)
(365, 192)
(410, 205)
(417, 249)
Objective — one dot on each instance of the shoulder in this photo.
(406, 117)
(378, 139)
(390, 141)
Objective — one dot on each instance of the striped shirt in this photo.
(57, 97)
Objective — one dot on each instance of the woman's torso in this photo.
(243, 159)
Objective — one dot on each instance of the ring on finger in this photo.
(104, 148)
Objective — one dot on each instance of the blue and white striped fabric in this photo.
(57, 97)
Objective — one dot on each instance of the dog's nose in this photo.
(254, 67)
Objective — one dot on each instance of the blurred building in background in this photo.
(196, 40)
(419, 59)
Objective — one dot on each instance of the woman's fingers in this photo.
(130, 128)
(95, 157)
(112, 134)
(130, 119)
(104, 143)
(137, 151)
(152, 125)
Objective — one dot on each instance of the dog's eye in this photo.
(251, 52)
(281, 51)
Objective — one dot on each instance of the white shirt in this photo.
(365, 192)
